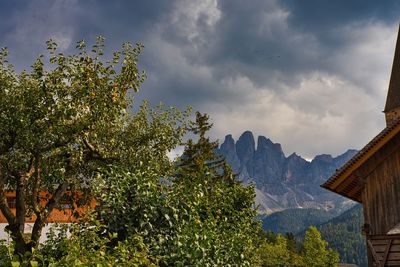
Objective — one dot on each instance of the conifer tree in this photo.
(200, 157)
(216, 227)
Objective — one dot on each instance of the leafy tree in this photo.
(276, 253)
(291, 242)
(196, 215)
(283, 251)
(315, 250)
(61, 124)
(218, 227)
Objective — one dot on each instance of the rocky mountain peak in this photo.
(282, 182)
(228, 149)
(245, 147)
(228, 143)
(326, 158)
(294, 158)
(264, 143)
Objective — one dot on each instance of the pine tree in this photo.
(218, 228)
(200, 159)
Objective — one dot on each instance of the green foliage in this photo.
(278, 250)
(275, 253)
(216, 226)
(62, 122)
(69, 125)
(197, 215)
(87, 247)
(344, 235)
(83, 247)
(315, 250)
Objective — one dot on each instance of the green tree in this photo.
(291, 242)
(276, 253)
(218, 226)
(279, 251)
(67, 127)
(315, 250)
(196, 215)
(61, 124)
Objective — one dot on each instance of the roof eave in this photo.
(360, 158)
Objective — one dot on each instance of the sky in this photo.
(311, 74)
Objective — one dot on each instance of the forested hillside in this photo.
(343, 234)
(295, 220)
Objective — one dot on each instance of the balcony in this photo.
(384, 249)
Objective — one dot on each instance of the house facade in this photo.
(64, 213)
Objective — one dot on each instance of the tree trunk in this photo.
(41, 217)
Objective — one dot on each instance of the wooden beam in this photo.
(385, 256)
(354, 191)
(374, 255)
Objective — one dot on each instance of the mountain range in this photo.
(283, 182)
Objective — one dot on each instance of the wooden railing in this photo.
(385, 249)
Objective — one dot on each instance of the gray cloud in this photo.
(311, 75)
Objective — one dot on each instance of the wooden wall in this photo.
(381, 194)
(62, 214)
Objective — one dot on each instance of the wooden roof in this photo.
(344, 181)
(393, 96)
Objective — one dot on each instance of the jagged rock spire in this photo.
(392, 107)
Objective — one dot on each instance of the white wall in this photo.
(28, 229)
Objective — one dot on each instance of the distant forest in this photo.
(343, 232)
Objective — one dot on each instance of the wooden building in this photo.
(372, 177)
(64, 213)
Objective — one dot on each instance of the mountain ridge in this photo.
(283, 182)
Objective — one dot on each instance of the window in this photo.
(66, 202)
(11, 202)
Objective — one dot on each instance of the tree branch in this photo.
(42, 217)
(94, 154)
(36, 185)
(44, 213)
(5, 209)
(16, 234)
(20, 204)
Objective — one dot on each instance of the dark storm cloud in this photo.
(301, 72)
(121, 20)
(275, 43)
(321, 16)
